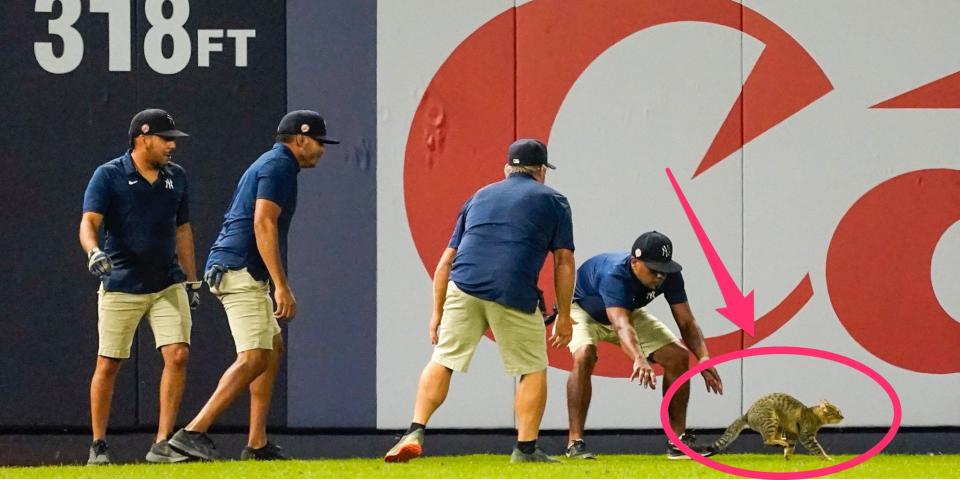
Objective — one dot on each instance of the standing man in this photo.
(611, 289)
(249, 254)
(141, 200)
(487, 278)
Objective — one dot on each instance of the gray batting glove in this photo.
(214, 275)
(98, 262)
(193, 294)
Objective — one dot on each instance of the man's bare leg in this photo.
(531, 399)
(580, 390)
(432, 390)
(172, 381)
(675, 360)
(248, 366)
(261, 392)
(101, 394)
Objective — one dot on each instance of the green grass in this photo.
(497, 466)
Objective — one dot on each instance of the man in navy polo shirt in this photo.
(487, 278)
(611, 290)
(249, 254)
(141, 200)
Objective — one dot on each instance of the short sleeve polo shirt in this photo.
(272, 177)
(606, 280)
(140, 223)
(503, 235)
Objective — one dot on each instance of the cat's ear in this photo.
(823, 402)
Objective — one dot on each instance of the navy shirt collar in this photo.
(520, 175)
(286, 152)
(128, 166)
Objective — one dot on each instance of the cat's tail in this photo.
(731, 434)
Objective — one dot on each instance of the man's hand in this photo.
(435, 328)
(98, 263)
(214, 275)
(193, 294)
(712, 379)
(562, 331)
(286, 305)
(643, 372)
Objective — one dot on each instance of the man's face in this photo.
(159, 149)
(312, 151)
(649, 277)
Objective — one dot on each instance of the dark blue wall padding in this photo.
(332, 68)
(56, 130)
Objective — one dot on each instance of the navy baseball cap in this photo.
(528, 151)
(154, 121)
(655, 250)
(305, 122)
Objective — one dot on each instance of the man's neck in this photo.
(146, 169)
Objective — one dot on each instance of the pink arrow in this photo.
(739, 309)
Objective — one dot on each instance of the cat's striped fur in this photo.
(783, 420)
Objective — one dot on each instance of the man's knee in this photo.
(175, 355)
(108, 366)
(254, 361)
(674, 359)
(585, 358)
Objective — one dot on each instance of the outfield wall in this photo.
(829, 193)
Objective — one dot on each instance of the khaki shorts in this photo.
(119, 313)
(249, 310)
(520, 336)
(652, 334)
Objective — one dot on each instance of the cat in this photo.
(783, 420)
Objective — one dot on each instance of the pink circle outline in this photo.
(803, 351)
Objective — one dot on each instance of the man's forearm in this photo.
(88, 236)
(629, 343)
(693, 339)
(440, 279)
(186, 252)
(564, 276)
(268, 245)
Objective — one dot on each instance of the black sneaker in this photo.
(99, 453)
(537, 456)
(674, 453)
(577, 450)
(161, 452)
(194, 444)
(270, 451)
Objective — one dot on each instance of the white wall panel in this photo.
(414, 38)
(803, 175)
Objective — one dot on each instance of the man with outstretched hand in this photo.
(611, 290)
(487, 278)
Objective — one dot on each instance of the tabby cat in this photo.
(783, 420)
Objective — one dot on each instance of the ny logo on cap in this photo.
(666, 251)
(170, 117)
